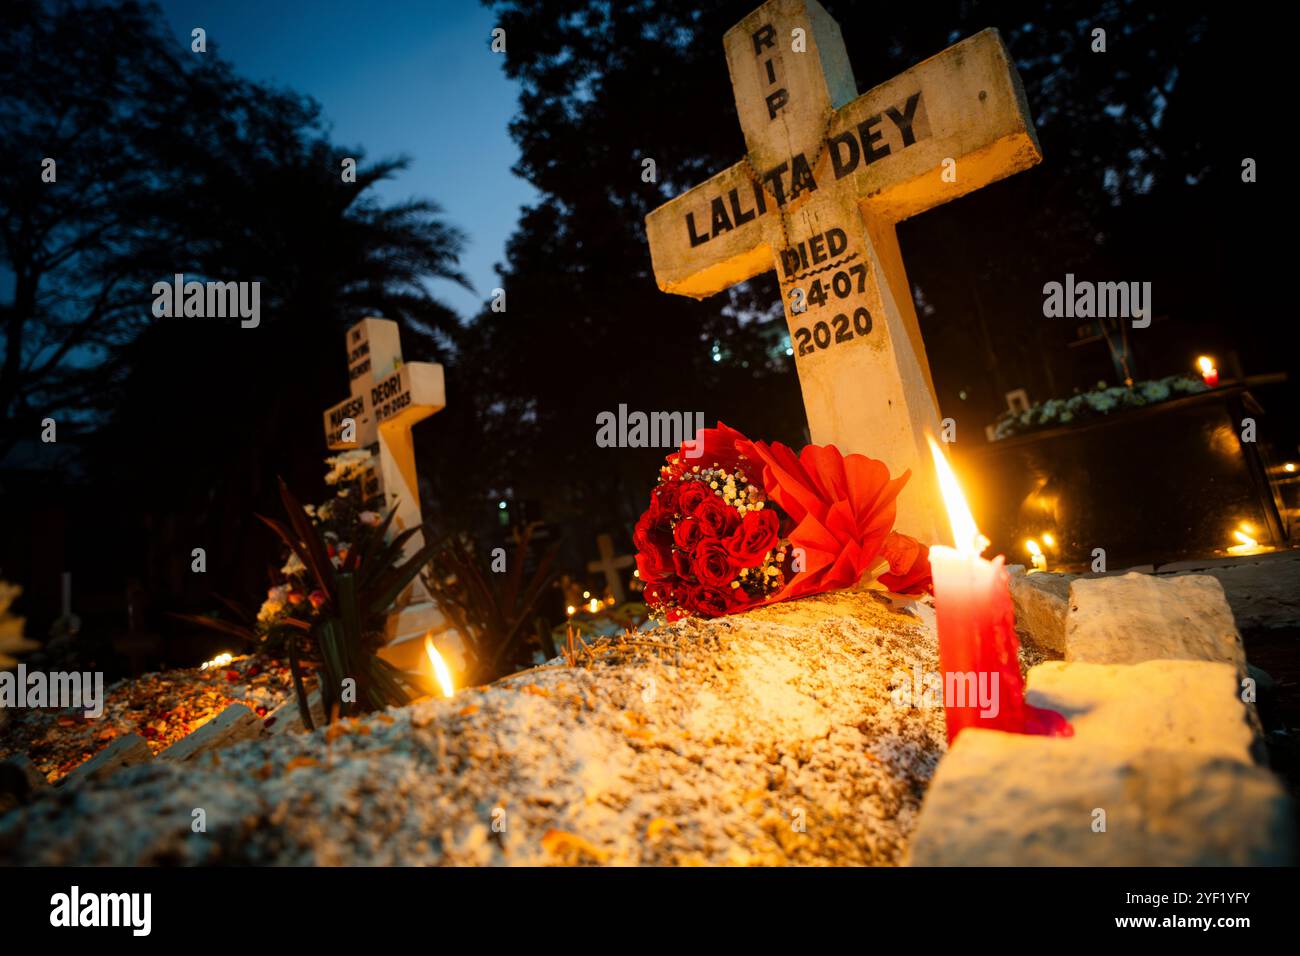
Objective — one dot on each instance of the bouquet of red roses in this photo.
(734, 524)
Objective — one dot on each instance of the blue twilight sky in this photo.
(415, 77)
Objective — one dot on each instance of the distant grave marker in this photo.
(388, 397)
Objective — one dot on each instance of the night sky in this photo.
(385, 80)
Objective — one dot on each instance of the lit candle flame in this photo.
(1049, 540)
(221, 660)
(1033, 548)
(966, 537)
(594, 606)
(1245, 535)
(1206, 364)
(440, 670)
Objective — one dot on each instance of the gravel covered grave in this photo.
(161, 707)
(763, 738)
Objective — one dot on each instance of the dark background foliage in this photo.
(171, 432)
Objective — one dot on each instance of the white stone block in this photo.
(1140, 617)
(1160, 755)
(1041, 602)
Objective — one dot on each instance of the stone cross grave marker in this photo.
(826, 177)
(388, 396)
(611, 565)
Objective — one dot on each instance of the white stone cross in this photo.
(388, 396)
(611, 565)
(827, 175)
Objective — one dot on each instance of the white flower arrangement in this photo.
(348, 466)
(1092, 404)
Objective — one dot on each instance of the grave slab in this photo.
(126, 751)
(768, 738)
(1041, 602)
(1162, 748)
(1134, 617)
(232, 725)
(1263, 590)
(287, 718)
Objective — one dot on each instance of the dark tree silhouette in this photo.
(171, 163)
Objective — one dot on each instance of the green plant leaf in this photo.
(295, 668)
(395, 581)
(313, 553)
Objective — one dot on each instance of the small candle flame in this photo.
(1049, 540)
(1206, 364)
(966, 537)
(1247, 544)
(221, 660)
(440, 670)
(1033, 548)
(594, 606)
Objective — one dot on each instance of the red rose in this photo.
(712, 602)
(706, 601)
(709, 448)
(657, 593)
(719, 518)
(666, 495)
(691, 494)
(654, 548)
(688, 533)
(909, 565)
(713, 565)
(682, 564)
(756, 536)
(651, 568)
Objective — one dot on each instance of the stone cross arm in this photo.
(886, 148)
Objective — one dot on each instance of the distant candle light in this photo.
(1036, 555)
(1208, 372)
(1246, 544)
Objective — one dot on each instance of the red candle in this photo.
(1208, 372)
(978, 647)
